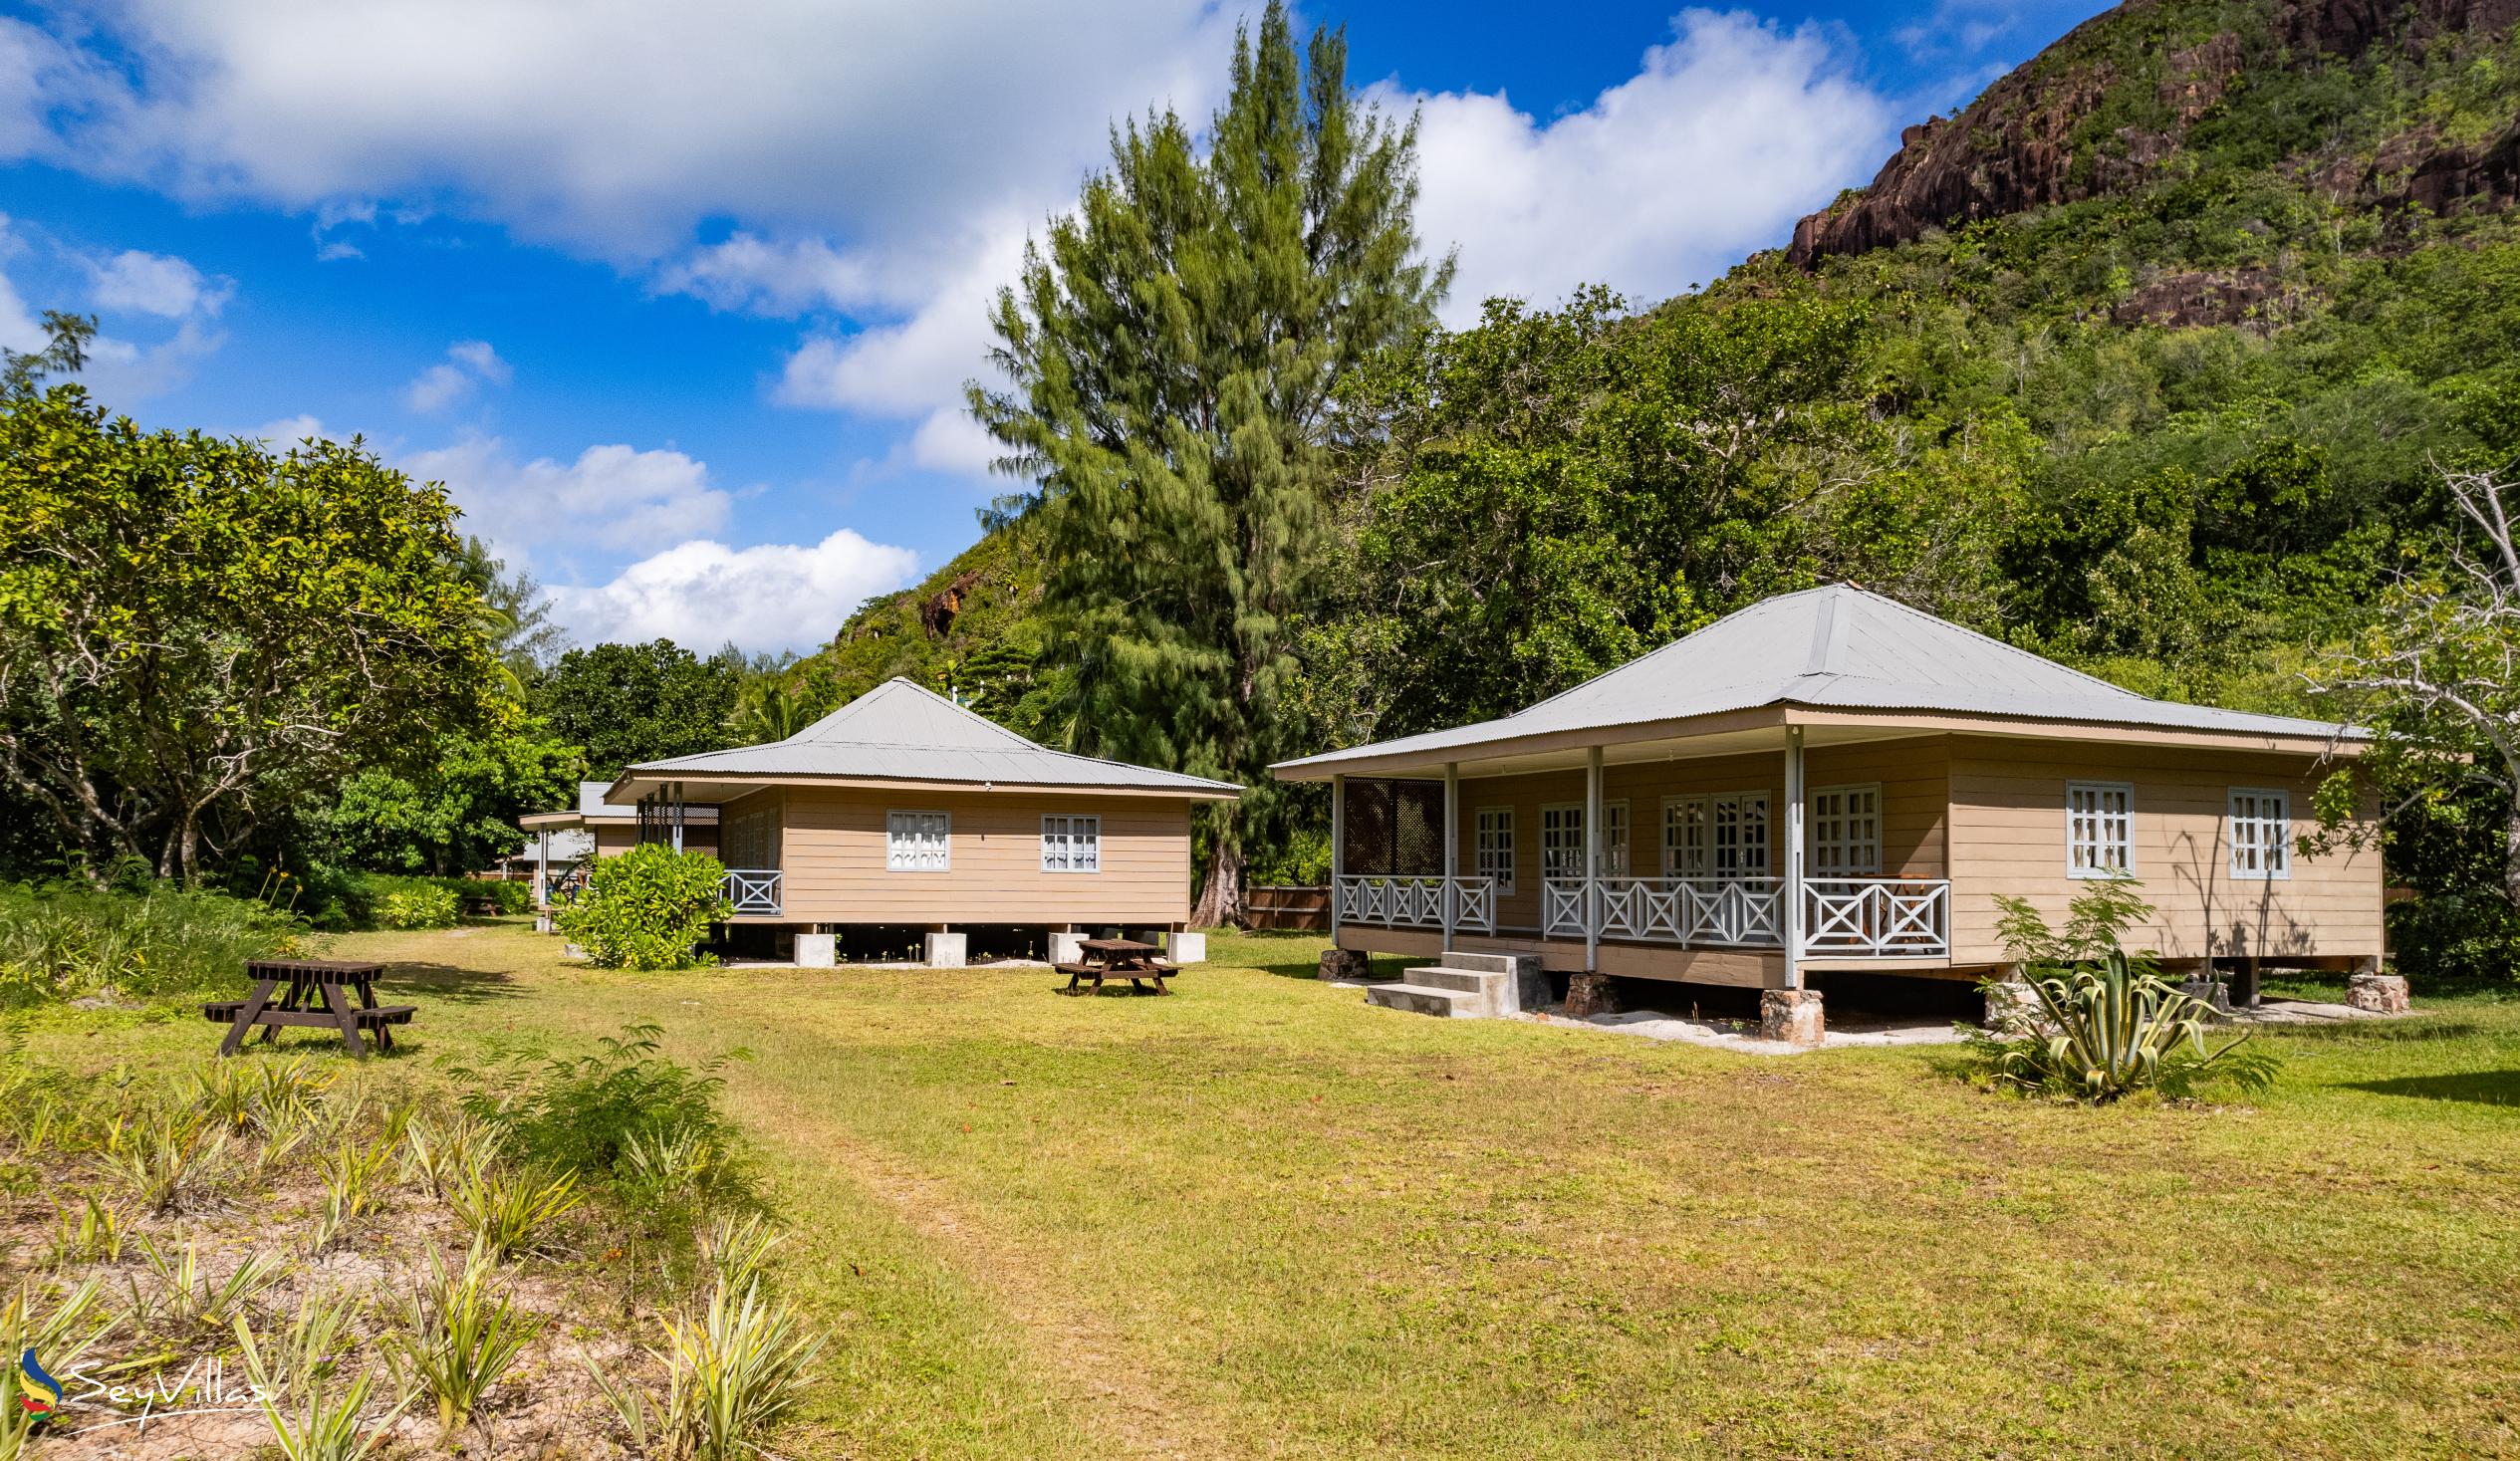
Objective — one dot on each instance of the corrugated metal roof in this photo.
(899, 731)
(1842, 648)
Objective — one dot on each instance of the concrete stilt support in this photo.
(948, 950)
(817, 951)
(1067, 946)
(1791, 1015)
(1589, 994)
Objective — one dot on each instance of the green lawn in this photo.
(1263, 1219)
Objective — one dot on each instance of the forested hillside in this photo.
(2149, 359)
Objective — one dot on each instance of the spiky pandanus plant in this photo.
(2117, 1030)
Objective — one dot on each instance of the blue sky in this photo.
(677, 299)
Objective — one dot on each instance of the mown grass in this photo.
(1263, 1219)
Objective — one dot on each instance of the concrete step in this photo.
(1420, 999)
(1445, 976)
(1484, 963)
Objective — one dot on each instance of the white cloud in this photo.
(19, 328)
(155, 284)
(121, 370)
(468, 362)
(611, 497)
(477, 356)
(702, 593)
(615, 129)
(1723, 138)
(288, 432)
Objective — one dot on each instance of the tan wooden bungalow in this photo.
(903, 809)
(1829, 781)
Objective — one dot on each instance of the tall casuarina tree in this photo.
(1173, 347)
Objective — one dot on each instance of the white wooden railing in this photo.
(1860, 917)
(1725, 912)
(753, 890)
(1416, 902)
(1882, 917)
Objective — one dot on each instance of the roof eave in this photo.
(2336, 740)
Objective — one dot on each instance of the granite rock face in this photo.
(2030, 140)
(1342, 964)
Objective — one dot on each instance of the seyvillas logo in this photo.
(38, 1393)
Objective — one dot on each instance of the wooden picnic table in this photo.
(318, 994)
(1117, 958)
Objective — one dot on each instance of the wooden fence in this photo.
(1305, 908)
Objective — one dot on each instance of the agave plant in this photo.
(313, 1414)
(730, 1372)
(507, 1210)
(354, 1185)
(458, 1337)
(2118, 1031)
(183, 1296)
(163, 1158)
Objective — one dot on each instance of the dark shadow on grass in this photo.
(2418, 1030)
(449, 983)
(2482, 1088)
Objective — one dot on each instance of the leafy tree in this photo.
(1173, 347)
(459, 813)
(196, 631)
(2437, 674)
(515, 614)
(628, 703)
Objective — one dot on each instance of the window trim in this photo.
(1478, 849)
(1068, 835)
(1811, 823)
(892, 856)
(2279, 866)
(2098, 872)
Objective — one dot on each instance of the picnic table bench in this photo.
(480, 905)
(1117, 958)
(320, 994)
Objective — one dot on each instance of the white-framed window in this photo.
(1615, 838)
(2261, 833)
(1071, 843)
(2099, 829)
(919, 842)
(1496, 847)
(1845, 831)
(1561, 840)
(1684, 851)
(1738, 824)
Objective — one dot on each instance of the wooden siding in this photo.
(832, 853)
(2008, 837)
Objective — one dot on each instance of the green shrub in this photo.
(64, 940)
(423, 906)
(598, 1116)
(647, 908)
(2107, 1023)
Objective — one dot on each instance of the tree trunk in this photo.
(1221, 899)
(2511, 846)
